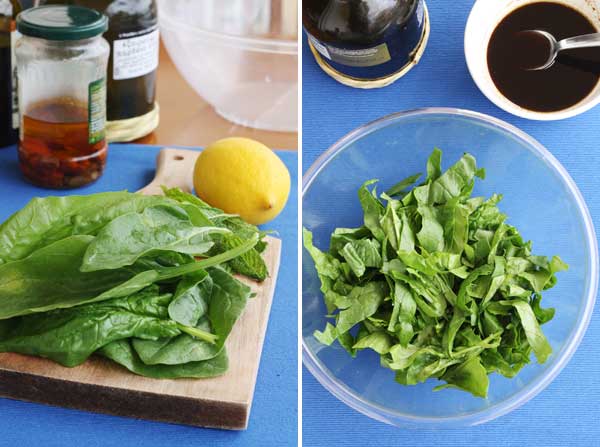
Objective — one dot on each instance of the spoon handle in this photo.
(585, 41)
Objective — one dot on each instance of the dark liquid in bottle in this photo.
(128, 98)
(55, 150)
(8, 134)
(512, 53)
(365, 39)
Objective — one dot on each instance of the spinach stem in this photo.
(174, 272)
(199, 333)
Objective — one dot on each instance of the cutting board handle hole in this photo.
(178, 158)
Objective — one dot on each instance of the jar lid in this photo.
(59, 22)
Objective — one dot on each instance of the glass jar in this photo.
(62, 64)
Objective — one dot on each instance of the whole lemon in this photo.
(242, 176)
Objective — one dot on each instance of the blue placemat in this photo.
(273, 420)
(566, 413)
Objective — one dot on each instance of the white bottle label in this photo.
(364, 57)
(14, 36)
(319, 47)
(135, 56)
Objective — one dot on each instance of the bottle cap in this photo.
(59, 22)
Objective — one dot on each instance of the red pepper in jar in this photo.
(55, 149)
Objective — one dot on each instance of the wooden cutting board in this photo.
(102, 386)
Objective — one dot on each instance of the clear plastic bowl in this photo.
(541, 200)
(239, 55)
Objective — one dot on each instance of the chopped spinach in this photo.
(436, 282)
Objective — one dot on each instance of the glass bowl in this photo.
(541, 200)
(239, 55)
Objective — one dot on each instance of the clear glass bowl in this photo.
(540, 199)
(239, 55)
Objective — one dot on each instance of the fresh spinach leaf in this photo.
(470, 376)
(364, 303)
(116, 274)
(176, 350)
(191, 298)
(378, 341)
(46, 220)
(249, 264)
(29, 286)
(70, 336)
(123, 353)
(228, 300)
(50, 278)
(362, 254)
(132, 236)
(536, 338)
(401, 187)
(372, 209)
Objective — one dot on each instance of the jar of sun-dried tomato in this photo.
(62, 64)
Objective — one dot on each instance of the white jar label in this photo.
(135, 56)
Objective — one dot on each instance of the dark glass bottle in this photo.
(366, 40)
(133, 38)
(9, 113)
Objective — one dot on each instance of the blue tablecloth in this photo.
(566, 413)
(273, 420)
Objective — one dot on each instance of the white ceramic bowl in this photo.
(239, 55)
(485, 16)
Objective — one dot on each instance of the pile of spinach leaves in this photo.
(146, 281)
(436, 282)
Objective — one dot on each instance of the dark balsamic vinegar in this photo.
(8, 135)
(365, 39)
(512, 53)
(8, 127)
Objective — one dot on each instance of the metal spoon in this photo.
(584, 41)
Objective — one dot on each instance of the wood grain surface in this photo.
(102, 386)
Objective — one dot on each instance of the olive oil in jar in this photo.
(366, 43)
(133, 36)
(56, 150)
